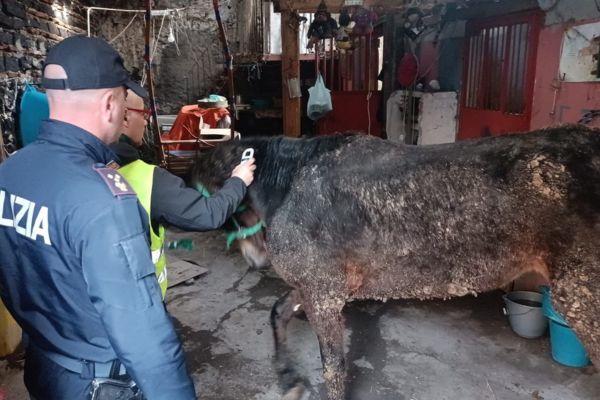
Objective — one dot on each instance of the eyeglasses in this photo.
(144, 111)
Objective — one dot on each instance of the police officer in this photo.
(164, 196)
(75, 266)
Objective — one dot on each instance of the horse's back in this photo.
(439, 213)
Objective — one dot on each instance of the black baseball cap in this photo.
(90, 63)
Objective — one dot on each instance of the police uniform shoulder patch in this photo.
(116, 183)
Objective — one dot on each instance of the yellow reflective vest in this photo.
(140, 176)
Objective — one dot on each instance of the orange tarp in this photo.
(186, 125)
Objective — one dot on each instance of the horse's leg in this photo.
(325, 317)
(286, 308)
(576, 294)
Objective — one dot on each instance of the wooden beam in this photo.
(335, 6)
(486, 9)
(290, 68)
(306, 5)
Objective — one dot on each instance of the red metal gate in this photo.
(498, 75)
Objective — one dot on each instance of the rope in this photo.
(175, 34)
(124, 29)
(162, 21)
(190, 45)
(153, 52)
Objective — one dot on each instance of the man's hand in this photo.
(245, 171)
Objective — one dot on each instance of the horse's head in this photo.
(278, 161)
(245, 227)
(251, 238)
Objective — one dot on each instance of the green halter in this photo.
(242, 232)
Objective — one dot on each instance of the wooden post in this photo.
(290, 68)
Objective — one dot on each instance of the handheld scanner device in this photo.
(247, 154)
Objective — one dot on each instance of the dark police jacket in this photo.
(175, 204)
(75, 264)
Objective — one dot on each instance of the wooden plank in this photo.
(179, 271)
(290, 68)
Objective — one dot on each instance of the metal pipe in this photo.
(155, 127)
(332, 65)
(155, 13)
(228, 65)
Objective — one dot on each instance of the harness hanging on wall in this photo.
(363, 21)
(342, 39)
(322, 27)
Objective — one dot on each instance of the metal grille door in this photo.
(498, 76)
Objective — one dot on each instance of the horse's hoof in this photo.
(294, 393)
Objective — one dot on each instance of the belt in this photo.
(87, 369)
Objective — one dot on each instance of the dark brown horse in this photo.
(352, 217)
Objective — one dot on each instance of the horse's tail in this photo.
(284, 309)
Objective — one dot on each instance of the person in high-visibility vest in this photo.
(165, 196)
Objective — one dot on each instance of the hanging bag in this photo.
(319, 100)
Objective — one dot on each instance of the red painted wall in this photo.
(572, 98)
(350, 113)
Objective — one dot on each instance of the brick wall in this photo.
(27, 29)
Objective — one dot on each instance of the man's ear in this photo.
(107, 101)
(125, 120)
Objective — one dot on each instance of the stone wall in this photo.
(185, 68)
(27, 29)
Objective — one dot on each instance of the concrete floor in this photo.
(402, 350)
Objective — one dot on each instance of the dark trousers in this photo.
(46, 380)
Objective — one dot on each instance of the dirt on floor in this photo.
(460, 349)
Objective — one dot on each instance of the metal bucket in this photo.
(524, 312)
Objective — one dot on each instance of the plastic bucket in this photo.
(565, 346)
(524, 312)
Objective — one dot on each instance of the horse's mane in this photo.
(277, 160)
